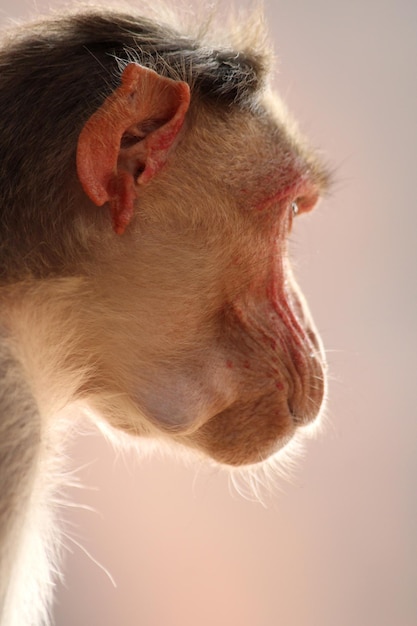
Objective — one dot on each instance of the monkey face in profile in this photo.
(170, 184)
(149, 183)
(217, 348)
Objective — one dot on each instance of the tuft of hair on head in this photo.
(226, 52)
(239, 34)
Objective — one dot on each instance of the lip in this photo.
(305, 405)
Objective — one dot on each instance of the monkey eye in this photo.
(293, 210)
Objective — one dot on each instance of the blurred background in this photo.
(338, 543)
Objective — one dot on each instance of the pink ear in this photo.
(107, 170)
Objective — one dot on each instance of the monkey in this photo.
(149, 184)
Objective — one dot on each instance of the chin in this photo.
(250, 432)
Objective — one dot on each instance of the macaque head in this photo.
(160, 180)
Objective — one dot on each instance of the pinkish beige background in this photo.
(337, 545)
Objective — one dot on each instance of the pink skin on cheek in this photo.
(272, 343)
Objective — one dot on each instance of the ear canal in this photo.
(113, 161)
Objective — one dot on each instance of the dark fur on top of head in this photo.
(53, 75)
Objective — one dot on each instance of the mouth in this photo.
(254, 428)
(309, 390)
(280, 381)
(242, 435)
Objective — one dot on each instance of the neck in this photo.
(27, 485)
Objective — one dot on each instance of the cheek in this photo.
(179, 394)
